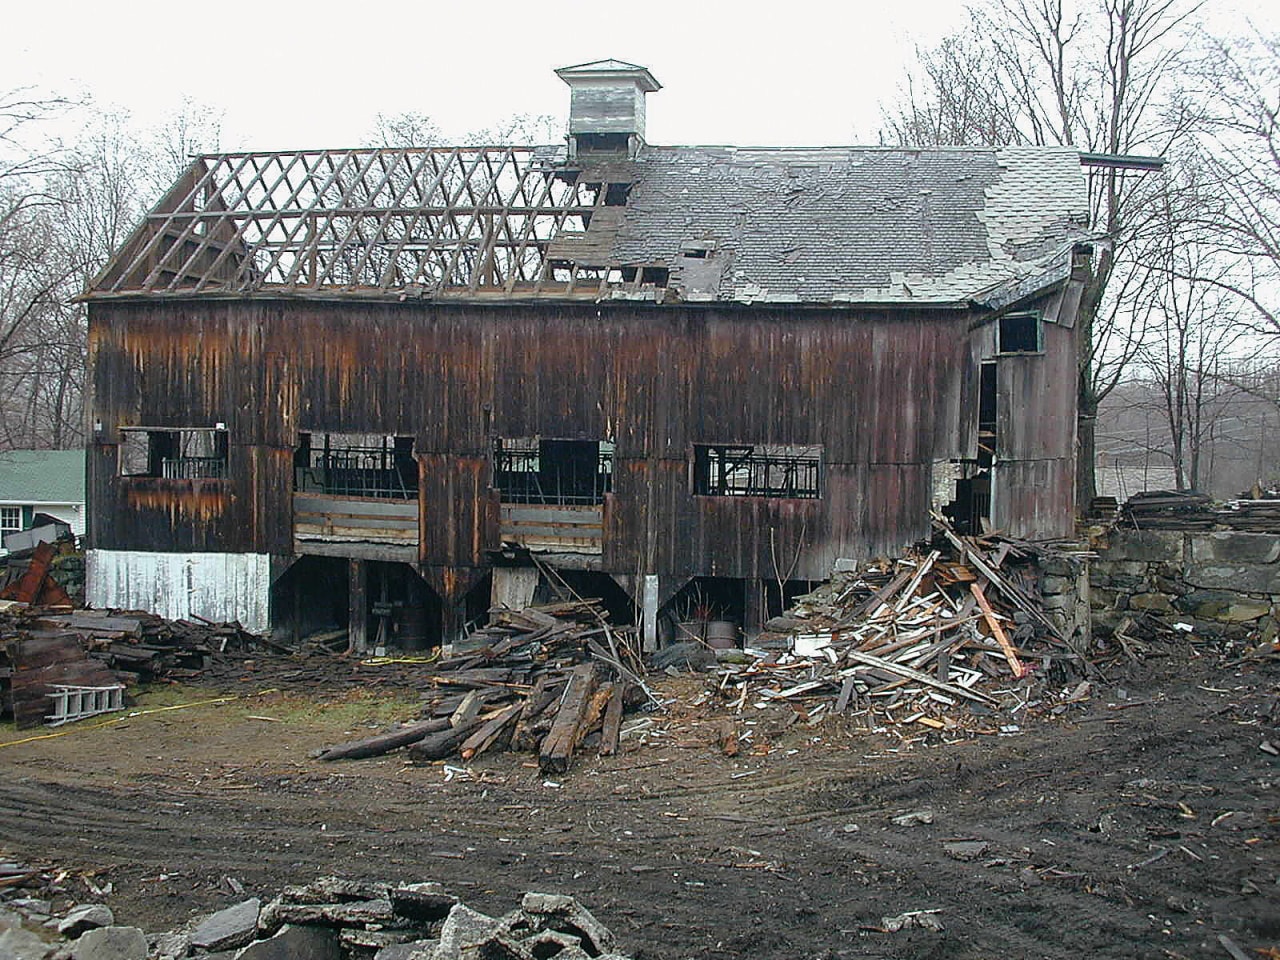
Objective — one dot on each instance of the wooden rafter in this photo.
(379, 221)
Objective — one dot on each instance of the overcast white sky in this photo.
(314, 74)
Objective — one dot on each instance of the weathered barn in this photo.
(379, 385)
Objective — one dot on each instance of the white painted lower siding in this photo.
(217, 586)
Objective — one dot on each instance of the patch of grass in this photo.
(356, 708)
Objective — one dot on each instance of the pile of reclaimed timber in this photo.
(937, 639)
(1166, 510)
(540, 683)
(41, 647)
(1253, 516)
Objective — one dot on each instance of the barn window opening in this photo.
(1020, 333)
(757, 470)
(654, 276)
(615, 195)
(700, 254)
(174, 454)
(356, 465)
(987, 414)
(560, 472)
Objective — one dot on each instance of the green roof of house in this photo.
(42, 476)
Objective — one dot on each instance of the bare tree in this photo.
(1237, 98)
(63, 210)
(1086, 73)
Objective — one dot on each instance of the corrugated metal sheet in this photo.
(223, 587)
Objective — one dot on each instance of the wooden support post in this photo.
(649, 612)
(358, 605)
(754, 596)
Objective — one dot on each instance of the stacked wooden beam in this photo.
(1253, 516)
(1167, 510)
(931, 638)
(42, 647)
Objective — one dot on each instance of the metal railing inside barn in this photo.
(358, 472)
(562, 473)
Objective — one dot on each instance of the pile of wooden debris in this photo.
(44, 648)
(945, 642)
(538, 684)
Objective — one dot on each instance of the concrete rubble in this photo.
(329, 919)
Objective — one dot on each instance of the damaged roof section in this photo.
(715, 224)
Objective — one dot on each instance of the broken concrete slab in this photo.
(230, 928)
(567, 915)
(296, 943)
(406, 951)
(354, 914)
(421, 901)
(87, 916)
(111, 943)
(171, 946)
(17, 941)
(334, 890)
(463, 927)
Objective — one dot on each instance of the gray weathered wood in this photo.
(384, 742)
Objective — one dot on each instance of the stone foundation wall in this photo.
(1222, 584)
(1065, 592)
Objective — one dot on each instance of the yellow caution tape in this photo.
(120, 719)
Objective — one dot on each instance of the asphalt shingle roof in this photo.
(42, 476)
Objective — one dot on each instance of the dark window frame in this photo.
(771, 471)
(1012, 338)
(175, 453)
(552, 471)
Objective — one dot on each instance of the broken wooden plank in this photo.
(468, 709)
(1007, 589)
(611, 732)
(489, 732)
(439, 746)
(376, 746)
(997, 631)
(915, 675)
(557, 747)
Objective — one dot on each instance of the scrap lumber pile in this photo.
(539, 683)
(943, 639)
(1165, 510)
(44, 647)
(1162, 510)
(1252, 516)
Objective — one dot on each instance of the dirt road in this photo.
(1144, 826)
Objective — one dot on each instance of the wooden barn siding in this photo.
(880, 393)
(1034, 485)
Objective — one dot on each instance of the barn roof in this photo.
(832, 225)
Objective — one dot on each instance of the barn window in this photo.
(1020, 333)
(356, 465)
(757, 470)
(195, 453)
(561, 472)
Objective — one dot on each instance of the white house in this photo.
(41, 481)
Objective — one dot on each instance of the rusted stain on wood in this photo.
(883, 393)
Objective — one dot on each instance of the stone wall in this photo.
(1221, 584)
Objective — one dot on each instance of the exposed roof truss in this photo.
(464, 221)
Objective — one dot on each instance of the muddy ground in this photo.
(1141, 823)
